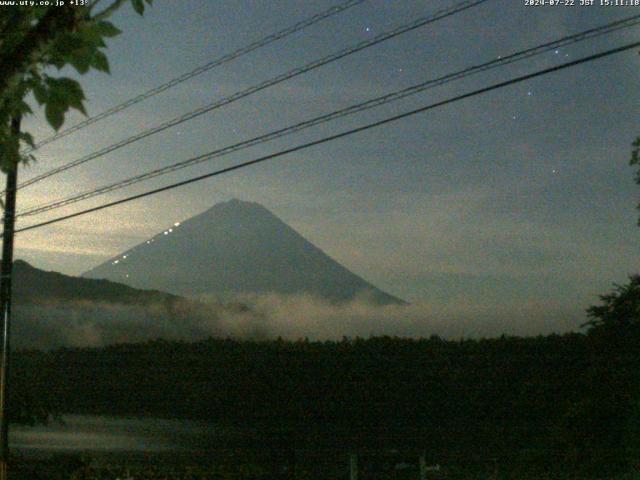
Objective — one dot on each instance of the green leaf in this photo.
(138, 6)
(27, 158)
(67, 93)
(65, 45)
(54, 114)
(63, 93)
(78, 105)
(24, 107)
(107, 29)
(89, 38)
(27, 138)
(40, 92)
(58, 62)
(81, 62)
(65, 86)
(635, 153)
(39, 12)
(100, 62)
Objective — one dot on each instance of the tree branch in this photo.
(15, 62)
(108, 11)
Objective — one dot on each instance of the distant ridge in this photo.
(236, 247)
(32, 285)
(53, 310)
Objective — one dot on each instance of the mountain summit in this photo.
(235, 247)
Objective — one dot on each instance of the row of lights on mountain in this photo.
(166, 232)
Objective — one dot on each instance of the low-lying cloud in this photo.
(259, 317)
(300, 316)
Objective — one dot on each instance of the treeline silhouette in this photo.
(552, 404)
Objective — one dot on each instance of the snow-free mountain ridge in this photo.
(235, 247)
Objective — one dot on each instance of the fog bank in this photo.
(258, 317)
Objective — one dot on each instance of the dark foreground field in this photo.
(249, 464)
(229, 464)
(547, 407)
(246, 465)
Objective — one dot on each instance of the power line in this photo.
(375, 102)
(201, 69)
(439, 15)
(330, 138)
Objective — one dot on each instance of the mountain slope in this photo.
(32, 285)
(235, 247)
(53, 310)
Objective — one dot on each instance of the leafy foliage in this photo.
(33, 41)
(635, 161)
(620, 309)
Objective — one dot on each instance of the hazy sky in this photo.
(518, 199)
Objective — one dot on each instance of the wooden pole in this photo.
(353, 466)
(5, 300)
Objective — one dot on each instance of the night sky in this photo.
(519, 200)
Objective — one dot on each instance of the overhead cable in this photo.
(336, 136)
(352, 109)
(201, 69)
(439, 15)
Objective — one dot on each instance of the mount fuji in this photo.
(236, 247)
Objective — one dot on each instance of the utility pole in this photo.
(353, 466)
(5, 298)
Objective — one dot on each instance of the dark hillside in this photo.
(32, 285)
